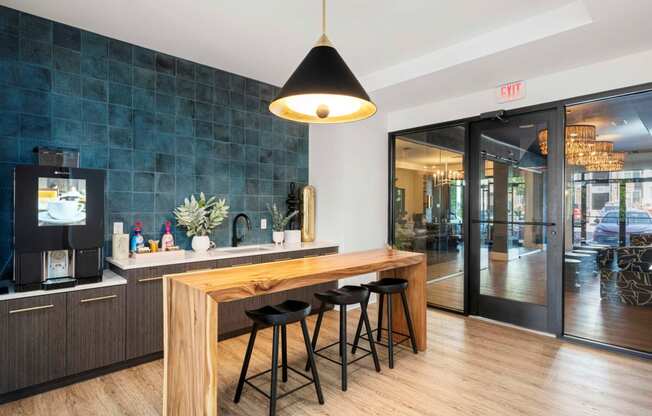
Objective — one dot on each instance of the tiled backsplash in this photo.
(161, 127)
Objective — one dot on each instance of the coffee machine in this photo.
(58, 226)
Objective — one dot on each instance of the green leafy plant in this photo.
(279, 221)
(200, 216)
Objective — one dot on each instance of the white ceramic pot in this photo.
(293, 237)
(201, 243)
(277, 237)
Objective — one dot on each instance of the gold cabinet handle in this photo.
(99, 298)
(35, 308)
(150, 279)
(310, 255)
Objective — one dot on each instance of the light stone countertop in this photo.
(108, 279)
(188, 256)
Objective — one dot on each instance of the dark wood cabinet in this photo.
(96, 328)
(34, 341)
(3, 347)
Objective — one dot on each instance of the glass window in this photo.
(607, 274)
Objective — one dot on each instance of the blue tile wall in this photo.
(161, 127)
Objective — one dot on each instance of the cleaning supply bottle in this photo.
(167, 241)
(137, 239)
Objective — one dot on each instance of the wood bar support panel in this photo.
(191, 304)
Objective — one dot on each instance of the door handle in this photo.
(98, 298)
(150, 279)
(34, 308)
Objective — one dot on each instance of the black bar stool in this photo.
(344, 296)
(279, 316)
(389, 286)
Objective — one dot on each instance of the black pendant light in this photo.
(323, 89)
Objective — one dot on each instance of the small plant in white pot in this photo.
(199, 217)
(279, 222)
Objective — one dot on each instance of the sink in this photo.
(239, 250)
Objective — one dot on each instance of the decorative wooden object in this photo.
(308, 207)
(190, 313)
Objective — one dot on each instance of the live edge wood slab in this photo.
(190, 313)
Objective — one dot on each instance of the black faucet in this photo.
(234, 233)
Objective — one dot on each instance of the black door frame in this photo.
(529, 315)
(556, 313)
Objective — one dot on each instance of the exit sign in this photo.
(511, 92)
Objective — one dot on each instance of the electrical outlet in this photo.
(263, 223)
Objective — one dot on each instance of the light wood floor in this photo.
(471, 368)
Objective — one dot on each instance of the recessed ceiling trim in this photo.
(553, 22)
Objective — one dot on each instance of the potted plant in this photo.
(200, 217)
(279, 222)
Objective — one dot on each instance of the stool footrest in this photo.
(396, 343)
(317, 352)
(280, 396)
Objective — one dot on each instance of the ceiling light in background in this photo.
(323, 89)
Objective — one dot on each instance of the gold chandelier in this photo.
(582, 149)
(579, 139)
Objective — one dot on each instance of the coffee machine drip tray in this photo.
(58, 283)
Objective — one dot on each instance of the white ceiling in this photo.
(406, 52)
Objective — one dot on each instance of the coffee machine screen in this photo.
(61, 201)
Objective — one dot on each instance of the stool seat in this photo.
(346, 295)
(284, 313)
(387, 285)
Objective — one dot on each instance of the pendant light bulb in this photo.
(323, 89)
(322, 111)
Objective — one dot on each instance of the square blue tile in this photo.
(9, 148)
(35, 127)
(145, 161)
(65, 83)
(94, 111)
(97, 134)
(8, 46)
(35, 102)
(120, 180)
(121, 137)
(120, 72)
(120, 94)
(94, 67)
(120, 116)
(9, 20)
(66, 36)
(36, 28)
(94, 45)
(121, 159)
(65, 106)
(185, 69)
(34, 77)
(120, 51)
(165, 84)
(143, 182)
(9, 124)
(66, 60)
(165, 64)
(143, 201)
(94, 89)
(165, 103)
(143, 99)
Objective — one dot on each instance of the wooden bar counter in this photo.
(190, 329)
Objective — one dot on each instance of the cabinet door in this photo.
(96, 328)
(35, 340)
(3, 347)
(144, 313)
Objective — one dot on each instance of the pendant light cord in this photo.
(323, 17)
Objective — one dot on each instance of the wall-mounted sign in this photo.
(511, 92)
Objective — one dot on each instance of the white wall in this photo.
(348, 167)
(608, 75)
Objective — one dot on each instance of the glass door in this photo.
(515, 270)
(428, 208)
